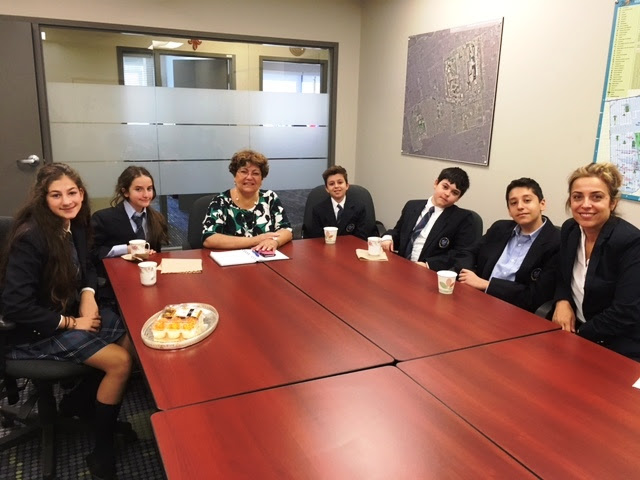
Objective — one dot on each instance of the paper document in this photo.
(241, 257)
(181, 265)
(363, 254)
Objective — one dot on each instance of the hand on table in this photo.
(564, 316)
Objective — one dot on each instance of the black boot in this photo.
(80, 402)
(102, 461)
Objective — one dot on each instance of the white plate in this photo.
(209, 321)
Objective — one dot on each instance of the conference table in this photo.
(396, 303)
(372, 424)
(560, 405)
(269, 332)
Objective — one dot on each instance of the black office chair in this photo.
(197, 213)
(477, 224)
(15, 378)
(357, 192)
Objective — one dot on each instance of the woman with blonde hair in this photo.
(597, 291)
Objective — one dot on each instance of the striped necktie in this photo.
(416, 231)
(137, 219)
(340, 212)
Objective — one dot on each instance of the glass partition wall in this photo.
(181, 107)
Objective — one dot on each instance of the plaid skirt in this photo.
(73, 345)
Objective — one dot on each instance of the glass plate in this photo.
(210, 322)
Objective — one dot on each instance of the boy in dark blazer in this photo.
(516, 260)
(435, 232)
(339, 210)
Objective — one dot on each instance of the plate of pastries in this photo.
(179, 326)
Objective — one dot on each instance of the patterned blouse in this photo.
(226, 217)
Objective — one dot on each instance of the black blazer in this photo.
(25, 299)
(450, 241)
(352, 222)
(611, 304)
(535, 280)
(112, 226)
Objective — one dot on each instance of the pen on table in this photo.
(255, 253)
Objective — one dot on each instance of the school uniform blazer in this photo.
(25, 299)
(611, 303)
(535, 280)
(450, 240)
(352, 222)
(112, 226)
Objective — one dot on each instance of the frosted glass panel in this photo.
(184, 142)
(195, 177)
(100, 177)
(87, 103)
(185, 136)
(291, 142)
(289, 108)
(292, 174)
(87, 142)
(203, 106)
(211, 176)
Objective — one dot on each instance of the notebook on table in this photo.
(244, 256)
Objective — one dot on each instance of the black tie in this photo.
(340, 212)
(416, 231)
(137, 219)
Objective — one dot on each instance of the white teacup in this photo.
(330, 234)
(140, 248)
(374, 246)
(148, 273)
(446, 281)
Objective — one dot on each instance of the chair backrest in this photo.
(357, 192)
(196, 217)
(477, 224)
(5, 227)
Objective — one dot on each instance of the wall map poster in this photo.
(618, 138)
(450, 94)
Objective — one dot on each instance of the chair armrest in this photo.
(546, 309)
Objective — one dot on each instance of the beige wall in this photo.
(550, 83)
(549, 88)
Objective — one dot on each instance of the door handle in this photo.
(32, 160)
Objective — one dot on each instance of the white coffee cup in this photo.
(446, 281)
(374, 246)
(148, 273)
(330, 234)
(139, 247)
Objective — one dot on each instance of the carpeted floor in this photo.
(137, 460)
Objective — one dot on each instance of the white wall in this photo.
(550, 84)
(326, 21)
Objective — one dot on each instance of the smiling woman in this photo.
(246, 216)
(49, 289)
(596, 296)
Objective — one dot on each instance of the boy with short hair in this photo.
(435, 232)
(517, 259)
(339, 210)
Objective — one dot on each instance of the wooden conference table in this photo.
(269, 333)
(562, 406)
(396, 304)
(373, 424)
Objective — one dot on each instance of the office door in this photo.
(20, 135)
